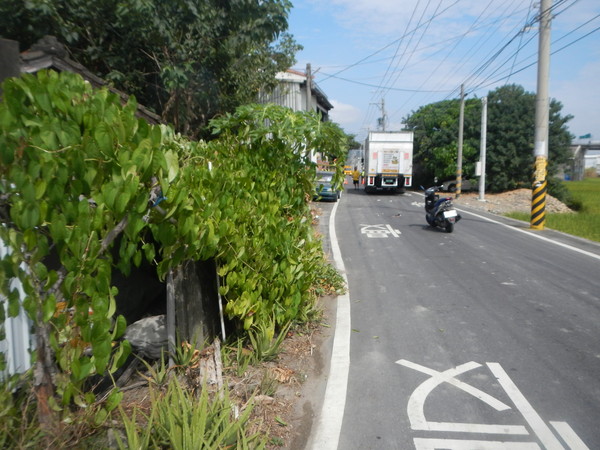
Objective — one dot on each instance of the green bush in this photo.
(82, 180)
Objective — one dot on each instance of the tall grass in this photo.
(585, 222)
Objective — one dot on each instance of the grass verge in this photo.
(585, 222)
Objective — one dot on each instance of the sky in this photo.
(395, 56)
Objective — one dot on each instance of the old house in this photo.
(297, 91)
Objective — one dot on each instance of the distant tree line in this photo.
(510, 139)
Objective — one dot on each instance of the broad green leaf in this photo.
(100, 417)
(49, 308)
(112, 306)
(113, 400)
(86, 367)
(14, 304)
(103, 137)
(119, 328)
(172, 165)
(121, 202)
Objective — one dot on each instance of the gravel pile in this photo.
(511, 201)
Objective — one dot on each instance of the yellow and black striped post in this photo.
(542, 111)
(538, 194)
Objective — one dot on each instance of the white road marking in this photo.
(529, 233)
(379, 231)
(329, 424)
(393, 232)
(484, 428)
(569, 436)
(460, 444)
(416, 402)
(542, 430)
(448, 377)
(532, 234)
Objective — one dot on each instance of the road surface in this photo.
(484, 338)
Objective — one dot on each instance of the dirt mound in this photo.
(518, 200)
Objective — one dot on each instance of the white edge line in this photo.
(528, 233)
(329, 425)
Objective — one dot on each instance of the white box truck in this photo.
(388, 161)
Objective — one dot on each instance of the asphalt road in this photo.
(484, 338)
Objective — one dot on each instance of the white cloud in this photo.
(362, 58)
(347, 116)
(581, 101)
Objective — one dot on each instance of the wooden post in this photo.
(196, 302)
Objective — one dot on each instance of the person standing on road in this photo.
(355, 177)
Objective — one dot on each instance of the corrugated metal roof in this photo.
(288, 95)
(48, 53)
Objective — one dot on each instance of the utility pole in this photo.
(308, 88)
(542, 102)
(461, 124)
(482, 149)
(381, 120)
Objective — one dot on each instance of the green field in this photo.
(586, 222)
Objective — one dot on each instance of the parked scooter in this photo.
(440, 212)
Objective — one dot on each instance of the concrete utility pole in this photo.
(308, 88)
(542, 102)
(382, 118)
(482, 149)
(461, 124)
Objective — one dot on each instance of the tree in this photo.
(352, 143)
(436, 137)
(510, 136)
(511, 130)
(188, 60)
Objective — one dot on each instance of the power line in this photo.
(384, 47)
(535, 62)
(452, 49)
(376, 86)
(482, 83)
(499, 66)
